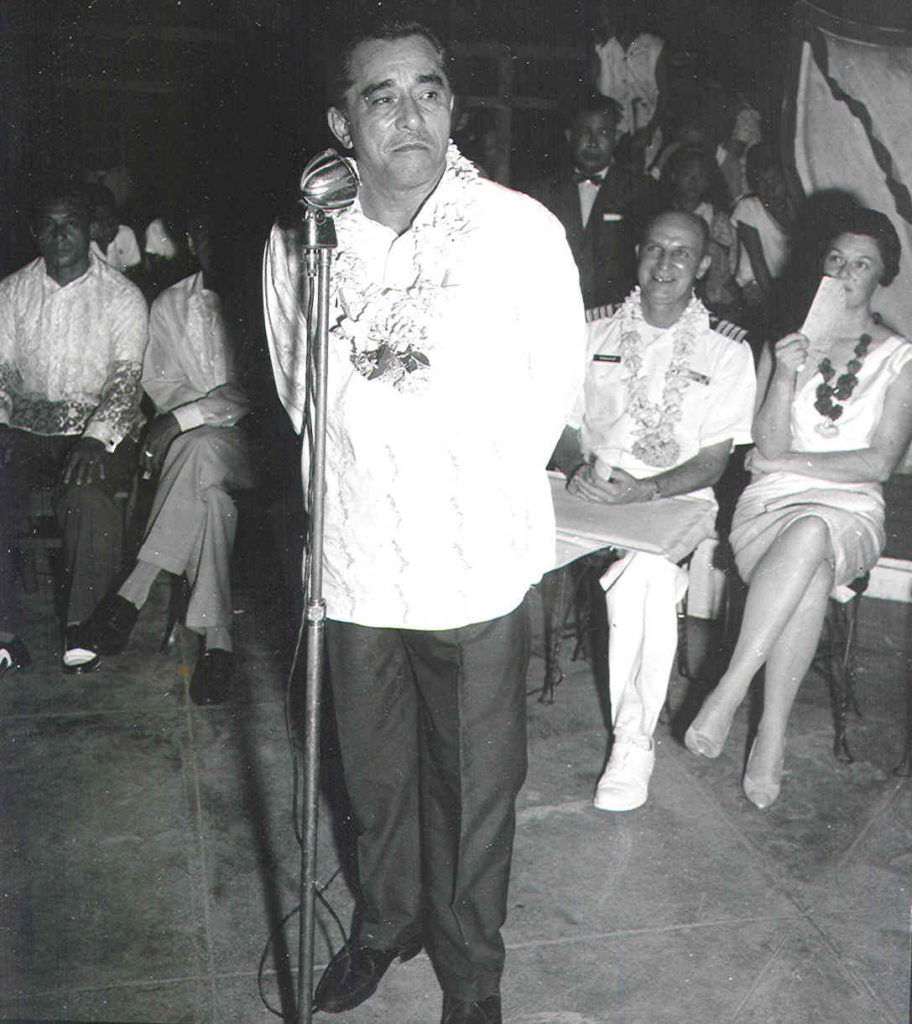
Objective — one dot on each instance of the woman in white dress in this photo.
(830, 427)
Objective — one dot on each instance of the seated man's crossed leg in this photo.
(191, 531)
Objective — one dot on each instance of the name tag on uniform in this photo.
(694, 375)
(612, 216)
(600, 357)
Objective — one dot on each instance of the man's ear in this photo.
(338, 125)
(94, 230)
(703, 267)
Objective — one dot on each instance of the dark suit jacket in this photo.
(604, 249)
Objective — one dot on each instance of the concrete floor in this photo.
(148, 855)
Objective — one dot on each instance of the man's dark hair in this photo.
(100, 195)
(387, 29)
(594, 103)
(877, 226)
(699, 225)
(67, 191)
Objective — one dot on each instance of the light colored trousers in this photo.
(193, 520)
(642, 592)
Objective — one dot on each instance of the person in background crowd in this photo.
(696, 187)
(665, 399)
(114, 242)
(447, 288)
(762, 220)
(601, 203)
(199, 455)
(832, 422)
(628, 65)
(72, 335)
(731, 153)
(166, 254)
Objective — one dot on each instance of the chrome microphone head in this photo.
(329, 182)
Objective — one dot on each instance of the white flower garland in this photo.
(388, 328)
(656, 444)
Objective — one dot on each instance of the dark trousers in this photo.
(432, 728)
(89, 515)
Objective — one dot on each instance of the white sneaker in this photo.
(624, 784)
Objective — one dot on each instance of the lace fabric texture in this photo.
(71, 356)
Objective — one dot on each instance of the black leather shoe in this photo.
(111, 624)
(354, 973)
(211, 682)
(13, 654)
(79, 654)
(461, 1011)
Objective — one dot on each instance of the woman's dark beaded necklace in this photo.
(845, 383)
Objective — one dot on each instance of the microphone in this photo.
(329, 182)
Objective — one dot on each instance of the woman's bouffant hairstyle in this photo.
(877, 226)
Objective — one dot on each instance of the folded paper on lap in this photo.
(669, 526)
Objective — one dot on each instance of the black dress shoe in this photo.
(13, 654)
(354, 973)
(111, 624)
(462, 1011)
(211, 682)
(79, 654)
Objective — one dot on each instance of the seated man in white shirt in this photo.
(72, 335)
(195, 445)
(665, 399)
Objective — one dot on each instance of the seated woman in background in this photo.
(830, 427)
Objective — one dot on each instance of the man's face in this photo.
(592, 138)
(63, 234)
(670, 260)
(692, 181)
(397, 114)
(104, 225)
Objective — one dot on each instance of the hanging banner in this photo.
(848, 125)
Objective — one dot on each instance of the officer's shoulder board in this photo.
(599, 313)
(727, 329)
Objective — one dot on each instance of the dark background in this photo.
(227, 95)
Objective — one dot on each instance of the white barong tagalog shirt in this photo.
(438, 510)
(70, 356)
(189, 367)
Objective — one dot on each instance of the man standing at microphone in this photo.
(456, 346)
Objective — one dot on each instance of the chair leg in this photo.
(904, 768)
(555, 599)
(840, 628)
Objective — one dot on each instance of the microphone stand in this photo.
(329, 183)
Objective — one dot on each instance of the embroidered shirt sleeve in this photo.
(117, 413)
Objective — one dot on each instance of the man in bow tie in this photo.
(601, 204)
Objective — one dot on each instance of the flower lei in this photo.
(388, 328)
(654, 430)
(845, 383)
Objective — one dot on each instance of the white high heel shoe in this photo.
(762, 790)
